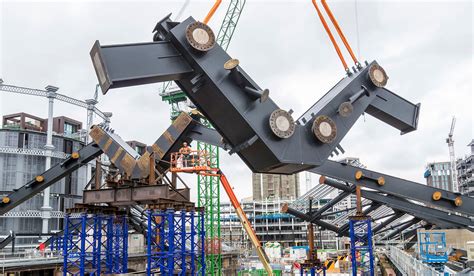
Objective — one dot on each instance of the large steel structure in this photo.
(208, 187)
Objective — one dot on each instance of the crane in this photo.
(452, 156)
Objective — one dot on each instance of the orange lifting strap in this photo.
(328, 31)
(212, 11)
(339, 31)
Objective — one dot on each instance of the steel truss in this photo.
(175, 245)
(94, 244)
(362, 257)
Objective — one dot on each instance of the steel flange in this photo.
(200, 36)
(282, 124)
(324, 129)
(377, 75)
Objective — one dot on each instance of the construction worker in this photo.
(185, 152)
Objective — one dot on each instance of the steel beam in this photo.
(151, 62)
(402, 228)
(330, 204)
(386, 222)
(396, 186)
(131, 195)
(305, 217)
(50, 177)
(402, 205)
(240, 110)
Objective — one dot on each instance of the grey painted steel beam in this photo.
(402, 228)
(426, 213)
(142, 57)
(243, 117)
(386, 222)
(305, 217)
(50, 177)
(396, 186)
(330, 204)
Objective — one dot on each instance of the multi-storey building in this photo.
(275, 186)
(465, 168)
(23, 156)
(271, 225)
(438, 175)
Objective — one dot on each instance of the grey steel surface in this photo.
(396, 186)
(51, 176)
(240, 117)
(439, 217)
(127, 196)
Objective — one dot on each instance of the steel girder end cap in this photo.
(75, 155)
(458, 201)
(284, 208)
(282, 124)
(200, 36)
(345, 109)
(358, 175)
(231, 64)
(39, 178)
(377, 75)
(324, 129)
(322, 179)
(5, 200)
(436, 196)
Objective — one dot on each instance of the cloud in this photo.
(425, 47)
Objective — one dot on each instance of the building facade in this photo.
(271, 225)
(465, 168)
(22, 157)
(438, 175)
(275, 186)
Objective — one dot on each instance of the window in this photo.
(69, 128)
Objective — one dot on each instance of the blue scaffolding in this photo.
(362, 257)
(94, 243)
(173, 244)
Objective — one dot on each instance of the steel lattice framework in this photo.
(209, 186)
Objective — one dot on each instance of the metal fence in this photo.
(409, 265)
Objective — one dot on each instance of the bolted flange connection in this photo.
(324, 129)
(282, 124)
(200, 36)
(377, 75)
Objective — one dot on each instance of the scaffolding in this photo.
(95, 244)
(175, 245)
(362, 257)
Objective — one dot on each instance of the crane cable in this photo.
(212, 11)
(341, 34)
(328, 31)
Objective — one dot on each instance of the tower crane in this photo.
(452, 157)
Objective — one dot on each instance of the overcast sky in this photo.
(425, 47)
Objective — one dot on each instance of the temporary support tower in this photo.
(175, 245)
(94, 244)
(362, 257)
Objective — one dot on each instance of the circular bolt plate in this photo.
(458, 201)
(436, 195)
(200, 36)
(345, 109)
(231, 64)
(282, 124)
(324, 129)
(377, 75)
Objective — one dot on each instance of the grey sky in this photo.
(425, 47)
